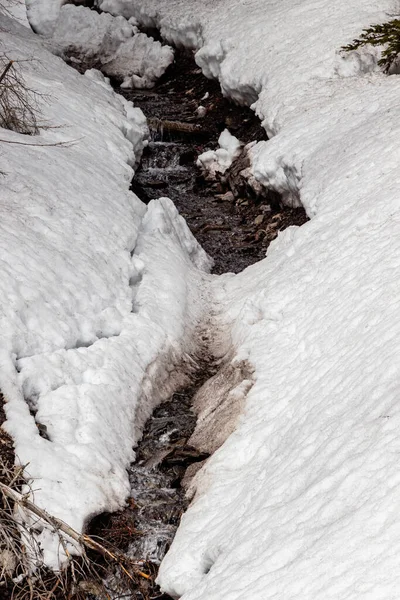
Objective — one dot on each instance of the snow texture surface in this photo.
(114, 43)
(43, 15)
(212, 162)
(16, 10)
(88, 348)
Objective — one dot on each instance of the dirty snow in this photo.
(112, 42)
(103, 293)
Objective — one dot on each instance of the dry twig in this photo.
(19, 108)
(59, 525)
(22, 574)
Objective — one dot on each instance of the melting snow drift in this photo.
(101, 294)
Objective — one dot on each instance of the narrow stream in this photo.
(235, 229)
(146, 528)
(236, 232)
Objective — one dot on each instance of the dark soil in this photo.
(7, 456)
(237, 232)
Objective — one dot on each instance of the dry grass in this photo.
(94, 567)
(22, 574)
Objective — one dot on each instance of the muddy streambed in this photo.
(236, 232)
(146, 528)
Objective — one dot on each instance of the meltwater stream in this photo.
(146, 528)
(236, 232)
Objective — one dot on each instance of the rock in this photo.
(228, 197)
(190, 473)
(201, 111)
(90, 586)
(239, 178)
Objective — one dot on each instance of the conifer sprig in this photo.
(385, 34)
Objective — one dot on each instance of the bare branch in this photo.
(65, 144)
(58, 525)
(19, 109)
(7, 68)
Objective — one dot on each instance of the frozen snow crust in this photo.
(101, 294)
(302, 500)
(218, 161)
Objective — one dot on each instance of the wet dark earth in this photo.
(146, 528)
(234, 228)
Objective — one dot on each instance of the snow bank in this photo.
(181, 28)
(301, 500)
(212, 162)
(43, 15)
(101, 294)
(86, 33)
(281, 43)
(113, 43)
(16, 10)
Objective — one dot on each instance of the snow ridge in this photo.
(87, 348)
(112, 42)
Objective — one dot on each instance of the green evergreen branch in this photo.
(385, 34)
